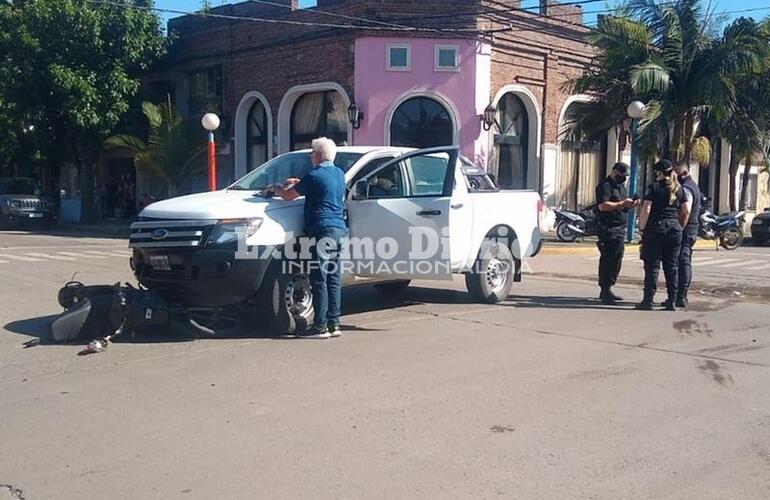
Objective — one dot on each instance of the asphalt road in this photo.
(547, 395)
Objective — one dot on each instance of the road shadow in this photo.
(561, 302)
(38, 328)
(356, 300)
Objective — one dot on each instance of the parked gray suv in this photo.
(21, 200)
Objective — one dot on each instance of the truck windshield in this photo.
(277, 170)
(18, 185)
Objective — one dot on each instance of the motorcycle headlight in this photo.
(227, 231)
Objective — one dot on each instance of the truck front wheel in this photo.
(492, 277)
(289, 300)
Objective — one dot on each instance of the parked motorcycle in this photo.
(571, 225)
(726, 230)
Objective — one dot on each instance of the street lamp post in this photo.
(210, 122)
(635, 111)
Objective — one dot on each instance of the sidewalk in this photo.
(587, 246)
(110, 228)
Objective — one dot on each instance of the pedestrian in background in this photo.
(663, 215)
(690, 232)
(613, 204)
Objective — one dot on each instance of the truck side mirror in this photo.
(361, 190)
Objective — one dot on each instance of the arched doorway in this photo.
(318, 114)
(253, 133)
(581, 166)
(421, 122)
(512, 143)
(256, 135)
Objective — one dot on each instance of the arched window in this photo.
(421, 122)
(319, 114)
(581, 166)
(512, 143)
(256, 136)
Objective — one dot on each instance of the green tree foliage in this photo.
(694, 73)
(174, 148)
(71, 67)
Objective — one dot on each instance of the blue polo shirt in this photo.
(324, 191)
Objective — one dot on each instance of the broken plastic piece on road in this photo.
(94, 346)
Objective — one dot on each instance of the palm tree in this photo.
(174, 148)
(746, 124)
(670, 56)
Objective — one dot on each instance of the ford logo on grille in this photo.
(159, 234)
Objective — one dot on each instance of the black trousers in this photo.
(661, 242)
(689, 237)
(611, 248)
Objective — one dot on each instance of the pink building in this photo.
(422, 92)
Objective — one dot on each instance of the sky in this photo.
(590, 9)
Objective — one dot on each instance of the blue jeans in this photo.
(325, 276)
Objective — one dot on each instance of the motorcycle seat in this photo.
(725, 218)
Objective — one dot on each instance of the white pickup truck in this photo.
(187, 248)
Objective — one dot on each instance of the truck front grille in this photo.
(170, 233)
(31, 204)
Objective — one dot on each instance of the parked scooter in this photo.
(571, 225)
(726, 230)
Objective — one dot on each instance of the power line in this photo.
(231, 17)
(333, 14)
(388, 27)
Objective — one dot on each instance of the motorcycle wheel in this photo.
(731, 239)
(564, 233)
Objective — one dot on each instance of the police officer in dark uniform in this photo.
(664, 213)
(613, 203)
(690, 232)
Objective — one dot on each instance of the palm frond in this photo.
(649, 77)
(125, 141)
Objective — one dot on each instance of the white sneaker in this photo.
(334, 330)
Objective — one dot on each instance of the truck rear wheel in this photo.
(289, 300)
(493, 274)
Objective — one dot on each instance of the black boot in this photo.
(669, 305)
(646, 303)
(681, 302)
(606, 297)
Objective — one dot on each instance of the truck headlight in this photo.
(227, 231)
(15, 203)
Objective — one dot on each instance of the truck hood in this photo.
(216, 205)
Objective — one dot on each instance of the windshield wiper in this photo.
(238, 188)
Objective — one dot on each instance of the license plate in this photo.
(160, 262)
(35, 215)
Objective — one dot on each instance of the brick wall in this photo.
(541, 53)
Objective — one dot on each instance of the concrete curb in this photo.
(586, 249)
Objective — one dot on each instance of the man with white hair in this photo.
(324, 190)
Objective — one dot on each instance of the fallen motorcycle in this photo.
(102, 312)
